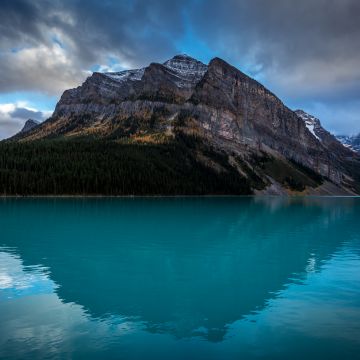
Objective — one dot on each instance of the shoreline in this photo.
(169, 196)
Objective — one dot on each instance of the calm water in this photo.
(191, 278)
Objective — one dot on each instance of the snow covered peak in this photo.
(307, 117)
(311, 122)
(187, 71)
(185, 64)
(327, 139)
(186, 68)
(183, 56)
(350, 142)
(132, 75)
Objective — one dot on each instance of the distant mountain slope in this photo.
(220, 117)
(29, 124)
(351, 142)
(330, 141)
(315, 127)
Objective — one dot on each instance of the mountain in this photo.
(350, 142)
(330, 141)
(313, 124)
(29, 124)
(194, 124)
(315, 127)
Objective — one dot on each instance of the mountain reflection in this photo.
(185, 267)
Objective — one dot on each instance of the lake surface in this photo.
(180, 278)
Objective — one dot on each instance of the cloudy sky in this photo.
(307, 52)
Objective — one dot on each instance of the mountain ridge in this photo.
(351, 142)
(29, 125)
(217, 105)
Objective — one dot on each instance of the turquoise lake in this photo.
(180, 278)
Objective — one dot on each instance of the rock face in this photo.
(328, 140)
(335, 144)
(29, 125)
(313, 124)
(217, 103)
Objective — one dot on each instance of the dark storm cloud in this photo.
(19, 22)
(139, 31)
(306, 51)
(46, 45)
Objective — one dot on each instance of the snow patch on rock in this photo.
(350, 142)
(132, 75)
(311, 122)
(188, 70)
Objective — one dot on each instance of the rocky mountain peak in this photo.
(307, 117)
(311, 122)
(186, 68)
(327, 139)
(350, 142)
(29, 124)
(184, 62)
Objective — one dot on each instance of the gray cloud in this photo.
(9, 128)
(23, 113)
(48, 69)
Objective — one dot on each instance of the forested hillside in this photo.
(97, 167)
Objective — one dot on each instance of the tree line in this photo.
(103, 167)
